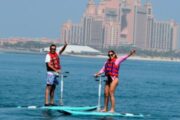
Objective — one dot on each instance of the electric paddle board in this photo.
(103, 114)
(61, 108)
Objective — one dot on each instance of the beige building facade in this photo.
(114, 23)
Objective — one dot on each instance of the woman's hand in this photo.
(96, 75)
(132, 52)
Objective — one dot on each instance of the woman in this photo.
(111, 70)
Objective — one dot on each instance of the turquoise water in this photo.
(146, 87)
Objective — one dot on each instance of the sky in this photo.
(43, 18)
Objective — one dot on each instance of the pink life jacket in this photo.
(111, 69)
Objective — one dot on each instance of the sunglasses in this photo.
(53, 48)
(110, 55)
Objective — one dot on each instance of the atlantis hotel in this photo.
(114, 23)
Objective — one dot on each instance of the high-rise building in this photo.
(140, 27)
(178, 38)
(111, 19)
(113, 23)
(72, 33)
(131, 18)
(162, 35)
(175, 35)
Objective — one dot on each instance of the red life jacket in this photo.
(54, 61)
(111, 69)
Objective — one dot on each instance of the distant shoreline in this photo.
(148, 58)
(7, 50)
(134, 58)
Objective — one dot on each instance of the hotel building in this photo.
(114, 23)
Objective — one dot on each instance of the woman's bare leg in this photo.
(113, 86)
(106, 98)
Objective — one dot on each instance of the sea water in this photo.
(147, 87)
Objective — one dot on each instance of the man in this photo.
(53, 69)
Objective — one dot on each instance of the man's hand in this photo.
(58, 71)
(65, 43)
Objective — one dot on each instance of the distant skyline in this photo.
(43, 18)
